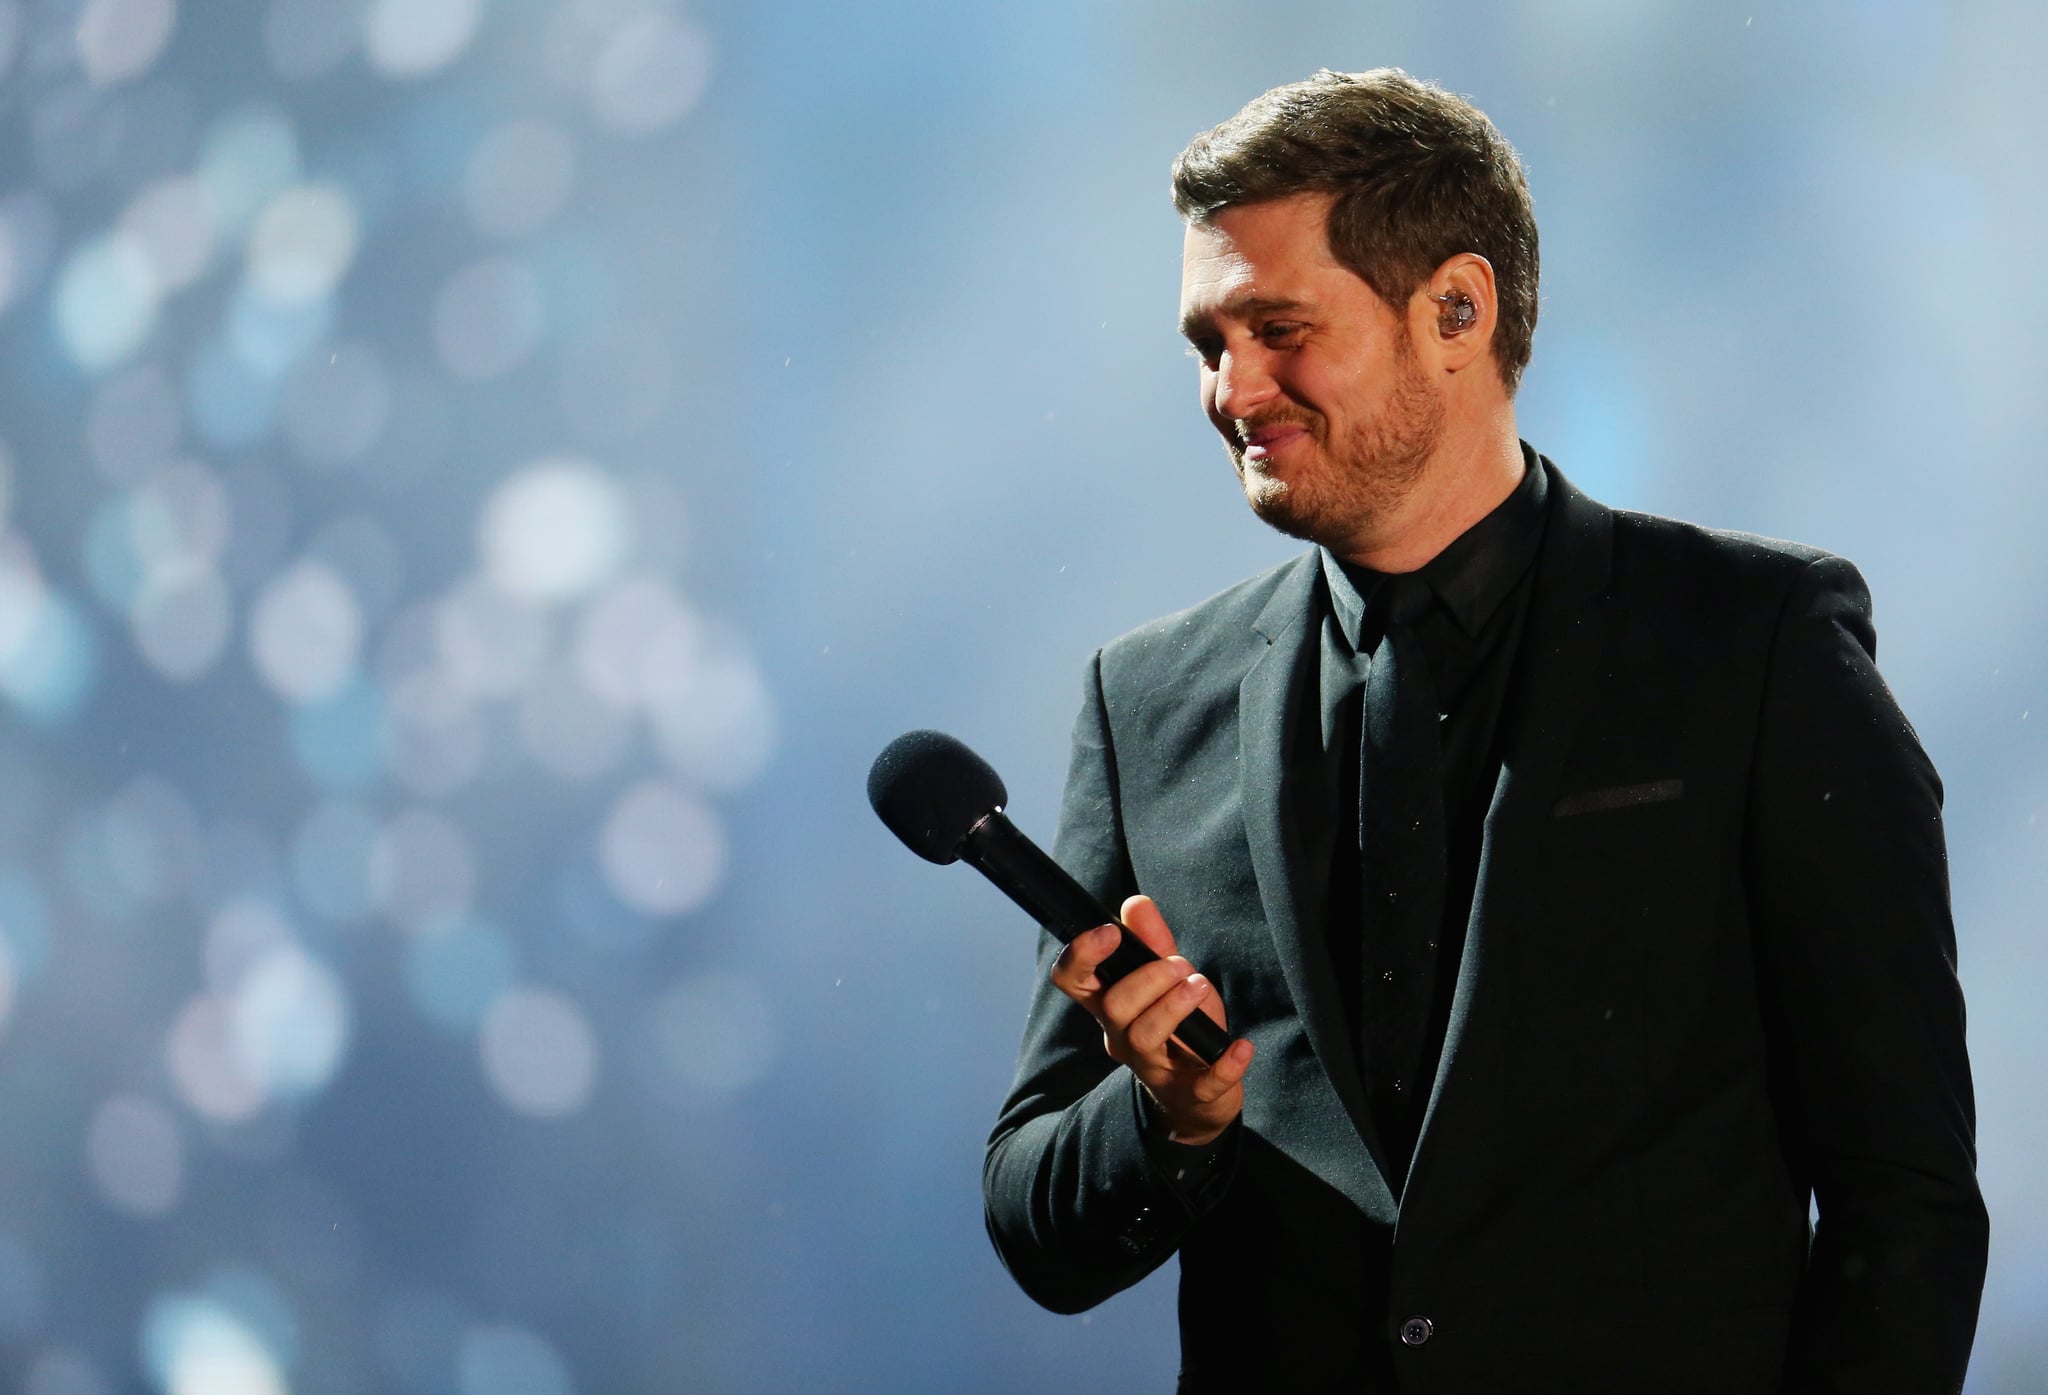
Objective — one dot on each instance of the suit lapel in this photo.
(1284, 767)
(1562, 641)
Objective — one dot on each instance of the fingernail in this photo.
(1193, 985)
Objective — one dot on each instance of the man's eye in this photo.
(1280, 335)
(1207, 350)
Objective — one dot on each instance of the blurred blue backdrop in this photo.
(482, 479)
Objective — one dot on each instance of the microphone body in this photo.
(946, 803)
(1026, 874)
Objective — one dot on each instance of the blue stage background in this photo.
(482, 479)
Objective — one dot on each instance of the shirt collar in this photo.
(1470, 577)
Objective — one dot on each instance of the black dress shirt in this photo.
(1480, 587)
(1470, 635)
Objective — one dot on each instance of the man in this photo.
(1573, 886)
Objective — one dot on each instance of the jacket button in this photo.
(1416, 1330)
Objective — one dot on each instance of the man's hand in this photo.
(1138, 1014)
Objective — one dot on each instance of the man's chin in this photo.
(1277, 506)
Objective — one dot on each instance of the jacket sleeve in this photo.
(1848, 878)
(1076, 1203)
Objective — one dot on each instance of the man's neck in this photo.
(1465, 480)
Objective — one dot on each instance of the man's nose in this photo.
(1243, 383)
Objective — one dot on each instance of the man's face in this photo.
(1308, 375)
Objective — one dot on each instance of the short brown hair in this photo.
(1420, 175)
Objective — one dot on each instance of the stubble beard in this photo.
(1359, 482)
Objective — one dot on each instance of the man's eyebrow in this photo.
(1235, 306)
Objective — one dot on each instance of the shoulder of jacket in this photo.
(1735, 555)
(1224, 620)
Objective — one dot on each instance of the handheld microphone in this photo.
(946, 804)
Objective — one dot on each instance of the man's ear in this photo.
(1453, 315)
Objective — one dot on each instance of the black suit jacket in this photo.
(1708, 975)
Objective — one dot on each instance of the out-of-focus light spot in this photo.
(511, 1361)
(135, 1156)
(306, 38)
(62, 1371)
(24, 923)
(437, 741)
(337, 402)
(662, 850)
(48, 667)
(152, 839)
(239, 934)
(650, 72)
(106, 301)
(625, 632)
(490, 642)
(518, 178)
(568, 729)
(411, 38)
(197, 1345)
(714, 722)
(291, 1023)
(205, 1068)
(247, 158)
(303, 243)
(180, 519)
(454, 974)
(22, 593)
(121, 39)
(269, 337)
(538, 1052)
(716, 1031)
(181, 625)
(617, 381)
(331, 860)
(28, 235)
(305, 632)
(340, 739)
(423, 871)
(233, 402)
(112, 562)
(487, 318)
(134, 423)
(553, 530)
(259, 1304)
(171, 223)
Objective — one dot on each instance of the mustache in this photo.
(1246, 427)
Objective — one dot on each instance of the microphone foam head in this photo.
(931, 790)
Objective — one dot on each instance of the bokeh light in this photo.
(135, 1156)
(480, 480)
(539, 1053)
(120, 39)
(663, 850)
(553, 530)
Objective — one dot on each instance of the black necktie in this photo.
(1401, 861)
